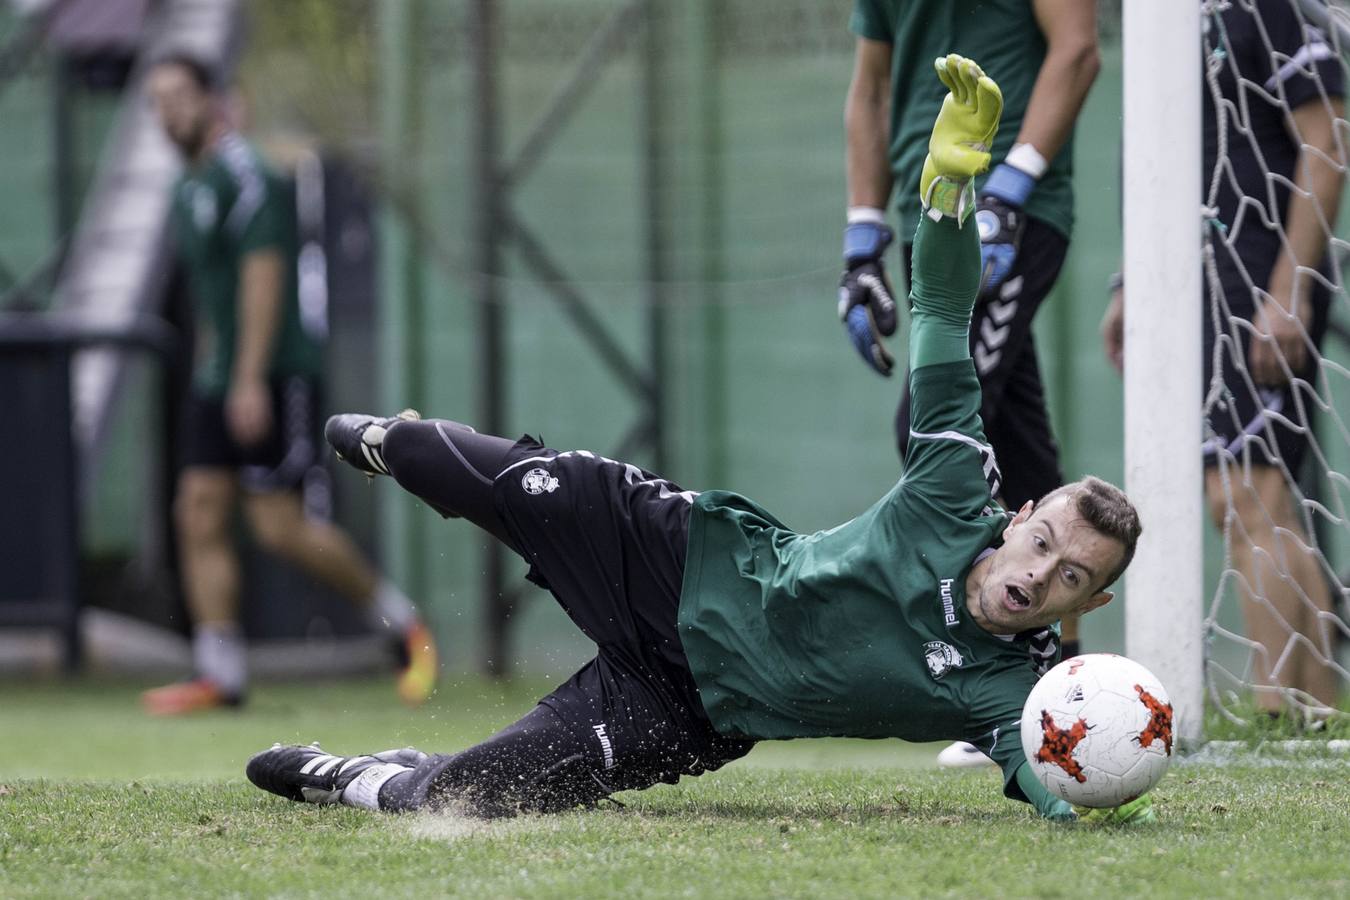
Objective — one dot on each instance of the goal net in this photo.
(1276, 360)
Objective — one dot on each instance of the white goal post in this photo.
(1162, 269)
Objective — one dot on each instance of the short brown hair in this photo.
(1106, 508)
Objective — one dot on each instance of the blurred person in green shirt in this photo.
(251, 428)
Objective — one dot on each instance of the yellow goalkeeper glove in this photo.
(963, 134)
(1138, 811)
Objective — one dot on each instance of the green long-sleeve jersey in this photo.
(862, 630)
(226, 207)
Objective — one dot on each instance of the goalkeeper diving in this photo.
(925, 618)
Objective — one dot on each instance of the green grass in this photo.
(98, 801)
(1255, 728)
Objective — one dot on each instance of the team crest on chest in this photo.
(538, 481)
(941, 658)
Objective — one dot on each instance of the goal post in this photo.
(1162, 270)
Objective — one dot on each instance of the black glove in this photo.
(866, 301)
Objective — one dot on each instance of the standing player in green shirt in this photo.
(716, 625)
(1043, 54)
(251, 432)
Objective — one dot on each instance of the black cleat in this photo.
(358, 439)
(309, 775)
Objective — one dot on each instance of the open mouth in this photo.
(1018, 599)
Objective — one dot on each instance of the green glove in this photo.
(963, 134)
(1138, 811)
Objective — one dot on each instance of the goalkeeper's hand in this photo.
(1138, 811)
(1001, 221)
(963, 134)
(866, 301)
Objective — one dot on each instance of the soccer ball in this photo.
(1097, 730)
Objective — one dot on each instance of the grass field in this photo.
(98, 801)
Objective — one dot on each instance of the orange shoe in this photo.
(420, 665)
(183, 697)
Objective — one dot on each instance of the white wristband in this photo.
(866, 214)
(1027, 158)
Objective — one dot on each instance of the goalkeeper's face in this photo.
(1052, 563)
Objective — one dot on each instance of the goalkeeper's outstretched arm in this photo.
(946, 253)
(947, 266)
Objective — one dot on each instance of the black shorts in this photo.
(608, 540)
(1016, 420)
(1246, 422)
(280, 461)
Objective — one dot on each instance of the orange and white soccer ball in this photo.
(1097, 730)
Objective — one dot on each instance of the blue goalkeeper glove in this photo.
(1001, 221)
(1138, 811)
(866, 301)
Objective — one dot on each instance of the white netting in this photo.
(1275, 156)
